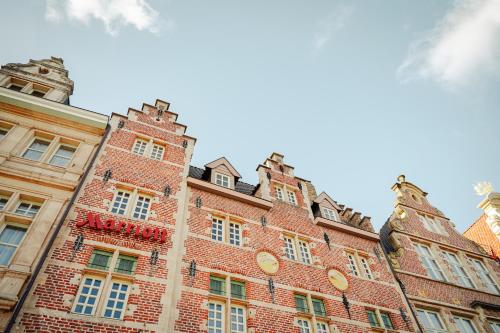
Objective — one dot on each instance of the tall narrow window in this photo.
(116, 300)
(431, 321)
(291, 197)
(86, 299)
(301, 303)
(464, 325)
(28, 209)
(10, 238)
(222, 180)
(305, 255)
(140, 146)
(215, 322)
(366, 268)
(279, 193)
(429, 262)
(141, 209)
(238, 319)
(217, 230)
(372, 318)
(234, 233)
(485, 276)
(386, 320)
(120, 203)
(353, 265)
(62, 156)
(157, 152)
(36, 149)
(318, 307)
(3, 131)
(304, 326)
(290, 248)
(458, 269)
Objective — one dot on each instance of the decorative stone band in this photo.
(93, 221)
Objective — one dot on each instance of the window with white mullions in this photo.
(429, 262)
(141, 209)
(304, 326)
(234, 233)
(62, 156)
(140, 146)
(157, 152)
(222, 180)
(238, 320)
(495, 326)
(290, 248)
(458, 269)
(485, 276)
(322, 328)
(120, 203)
(279, 193)
(353, 266)
(305, 255)
(10, 238)
(329, 214)
(431, 321)
(28, 209)
(366, 268)
(116, 300)
(86, 299)
(36, 149)
(217, 230)
(464, 325)
(215, 322)
(291, 197)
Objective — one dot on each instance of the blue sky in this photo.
(353, 93)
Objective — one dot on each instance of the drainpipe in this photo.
(401, 286)
(45, 253)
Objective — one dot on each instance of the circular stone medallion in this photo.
(267, 262)
(337, 279)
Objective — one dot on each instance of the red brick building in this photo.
(153, 244)
(451, 282)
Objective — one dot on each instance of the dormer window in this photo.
(329, 214)
(222, 180)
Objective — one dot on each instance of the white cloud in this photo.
(463, 45)
(326, 27)
(114, 14)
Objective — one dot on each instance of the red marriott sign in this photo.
(94, 222)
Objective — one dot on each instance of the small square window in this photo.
(319, 307)
(141, 209)
(329, 214)
(222, 180)
(36, 149)
(125, 264)
(120, 203)
(217, 285)
(157, 152)
(238, 290)
(140, 146)
(28, 209)
(301, 303)
(100, 260)
(62, 156)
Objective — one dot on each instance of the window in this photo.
(329, 214)
(62, 156)
(463, 278)
(233, 235)
(222, 180)
(464, 325)
(322, 328)
(86, 299)
(125, 264)
(28, 209)
(38, 93)
(3, 202)
(279, 193)
(366, 268)
(157, 152)
(216, 309)
(10, 238)
(304, 325)
(432, 224)
(215, 318)
(431, 321)
(4, 129)
(16, 87)
(113, 303)
(485, 276)
(318, 307)
(120, 203)
(291, 197)
(141, 209)
(386, 320)
(301, 303)
(36, 149)
(140, 146)
(429, 262)
(359, 265)
(495, 326)
(291, 244)
(352, 265)
(372, 318)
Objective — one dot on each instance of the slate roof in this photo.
(242, 187)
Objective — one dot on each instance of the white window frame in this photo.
(222, 319)
(16, 225)
(305, 253)
(227, 231)
(219, 232)
(485, 275)
(54, 154)
(459, 323)
(304, 325)
(330, 214)
(494, 325)
(157, 152)
(290, 250)
(297, 249)
(127, 205)
(429, 261)
(322, 327)
(292, 197)
(458, 269)
(221, 179)
(279, 193)
(359, 265)
(353, 265)
(97, 297)
(234, 306)
(366, 268)
(107, 298)
(235, 233)
(438, 316)
(31, 204)
(140, 146)
(141, 215)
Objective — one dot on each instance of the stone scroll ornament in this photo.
(93, 221)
